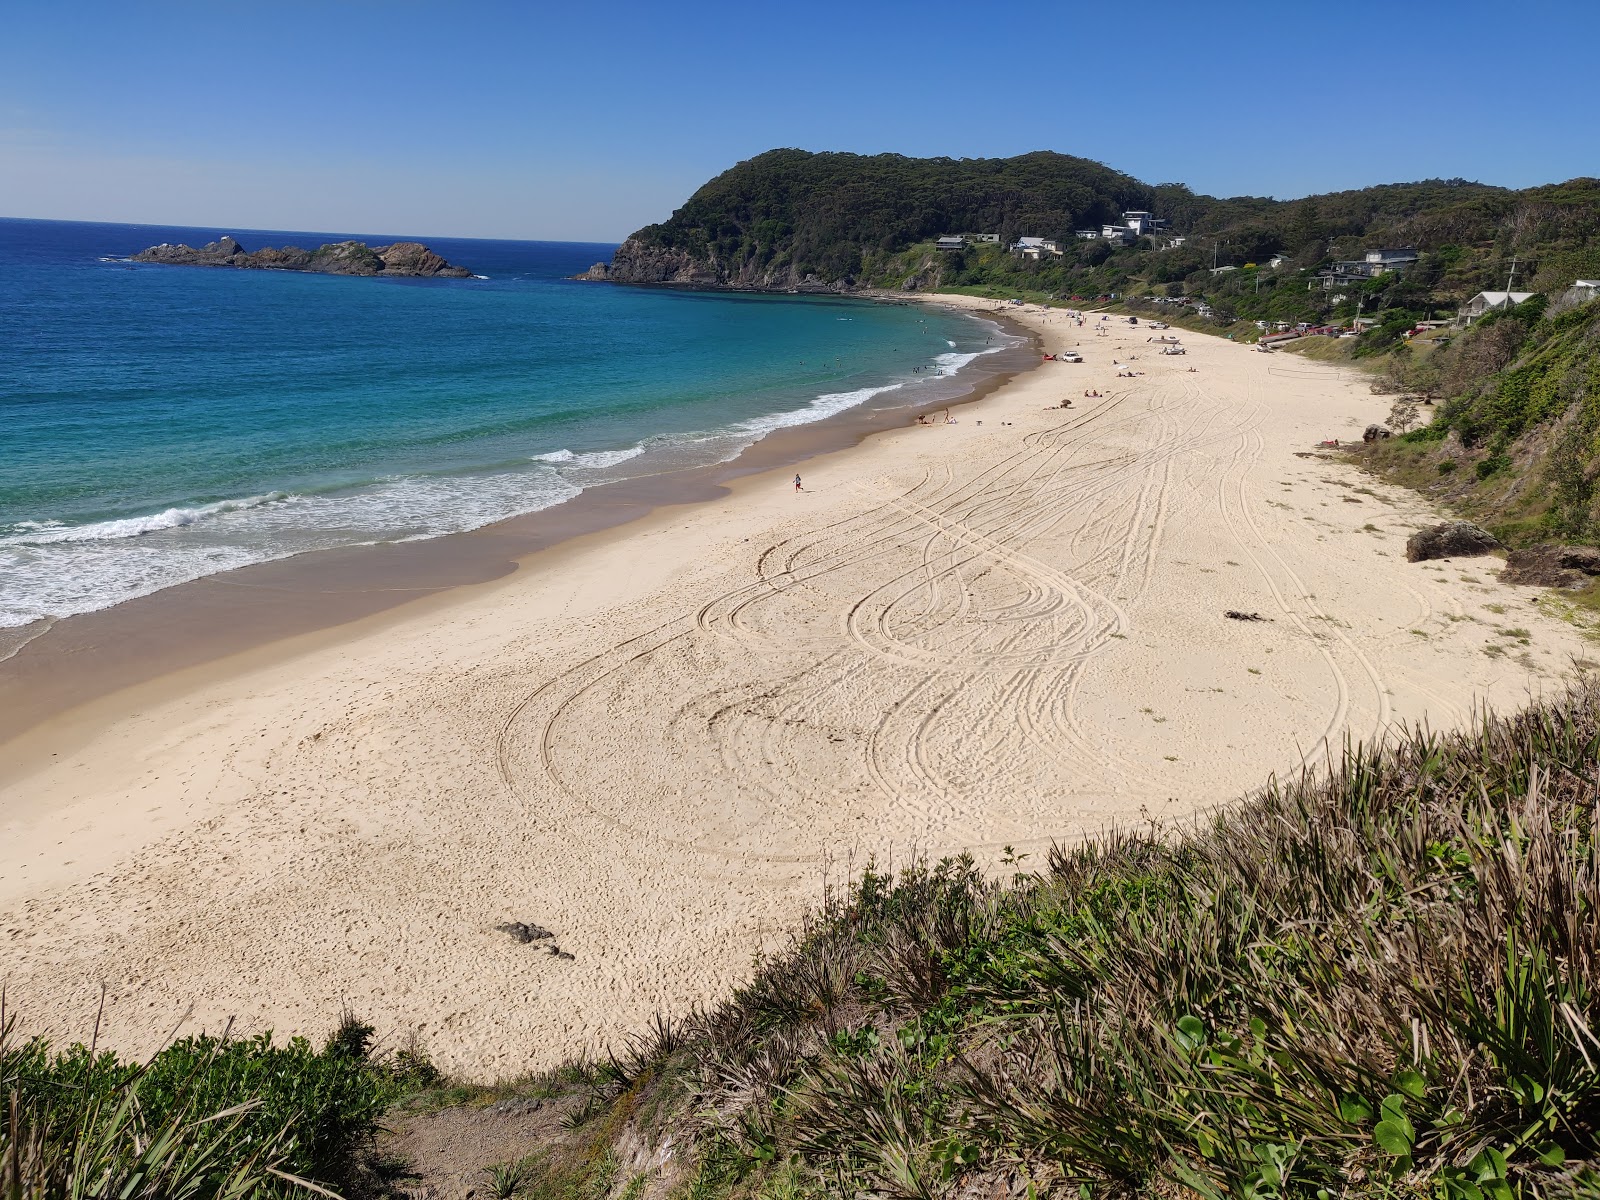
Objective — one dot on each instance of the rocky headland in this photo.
(638, 260)
(404, 259)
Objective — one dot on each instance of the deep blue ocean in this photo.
(158, 424)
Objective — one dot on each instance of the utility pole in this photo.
(1511, 277)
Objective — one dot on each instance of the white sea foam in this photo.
(44, 533)
(55, 570)
(824, 406)
(594, 460)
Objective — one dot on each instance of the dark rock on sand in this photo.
(526, 933)
(1234, 614)
(1452, 539)
(410, 260)
(1373, 433)
(1552, 566)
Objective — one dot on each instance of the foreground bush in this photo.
(1378, 980)
(206, 1117)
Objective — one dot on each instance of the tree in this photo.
(1404, 415)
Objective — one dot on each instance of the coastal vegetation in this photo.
(1515, 440)
(205, 1117)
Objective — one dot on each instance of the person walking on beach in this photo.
(797, 486)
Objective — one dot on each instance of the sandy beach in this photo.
(659, 740)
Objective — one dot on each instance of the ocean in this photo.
(159, 424)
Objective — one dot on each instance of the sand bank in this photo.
(659, 742)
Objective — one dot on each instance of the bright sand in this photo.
(660, 740)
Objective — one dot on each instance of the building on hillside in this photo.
(1277, 260)
(1086, 235)
(1221, 270)
(1379, 261)
(1586, 289)
(1113, 231)
(1174, 242)
(1358, 270)
(1035, 247)
(1485, 302)
(950, 244)
(1139, 222)
(992, 239)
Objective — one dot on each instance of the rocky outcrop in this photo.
(1452, 539)
(405, 259)
(1552, 566)
(638, 261)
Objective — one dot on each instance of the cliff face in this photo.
(405, 259)
(637, 261)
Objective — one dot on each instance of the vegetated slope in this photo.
(789, 216)
(793, 219)
(1516, 443)
(1382, 980)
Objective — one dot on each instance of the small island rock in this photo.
(410, 260)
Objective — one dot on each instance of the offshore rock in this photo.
(1452, 539)
(410, 260)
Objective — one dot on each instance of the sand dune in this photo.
(659, 742)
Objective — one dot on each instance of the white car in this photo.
(1069, 356)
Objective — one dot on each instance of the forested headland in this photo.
(794, 220)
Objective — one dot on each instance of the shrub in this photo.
(205, 1117)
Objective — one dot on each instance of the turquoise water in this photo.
(158, 424)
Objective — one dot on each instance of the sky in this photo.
(584, 121)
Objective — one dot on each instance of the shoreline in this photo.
(77, 661)
(1005, 632)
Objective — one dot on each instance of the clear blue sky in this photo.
(583, 121)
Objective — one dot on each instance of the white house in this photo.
(1086, 235)
(1114, 232)
(1485, 302)
(1035, 247)
(1277, 260)
(950, 244)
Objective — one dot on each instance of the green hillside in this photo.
(828, 214)
(1516, 441)
(790, 219)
